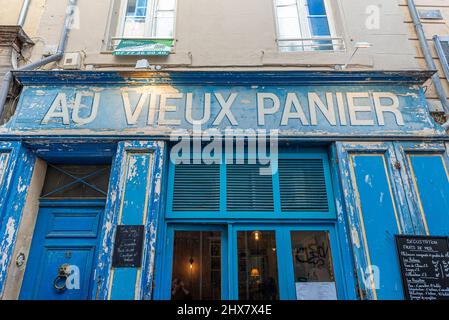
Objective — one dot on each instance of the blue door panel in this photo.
(379, 220)
(52, 258)
(431, 181)
(66, 224)
(64, 235)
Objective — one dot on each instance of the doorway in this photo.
(64, 248)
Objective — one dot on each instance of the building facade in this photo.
(193, 149)
(434, 18)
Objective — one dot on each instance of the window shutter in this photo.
(196, 187)
(303, 185)
(247, 189)
(442, 48)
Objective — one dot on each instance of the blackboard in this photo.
(128, 247)
(424, 263)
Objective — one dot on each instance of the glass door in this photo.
(196, 268)
(313, 265)
(257, 265)
(252, 262)
(285, 262)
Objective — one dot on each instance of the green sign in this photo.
(135, 47)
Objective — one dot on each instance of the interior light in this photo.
(255, 272)
(257, 235)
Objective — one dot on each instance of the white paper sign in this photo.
(316, 291)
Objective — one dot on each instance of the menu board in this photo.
(424, 263)
(128, 247)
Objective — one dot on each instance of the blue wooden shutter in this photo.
(247, 189)
(303, 185)
(196, 187)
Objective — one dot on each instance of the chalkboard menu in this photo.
(424, 265)
(128, 247)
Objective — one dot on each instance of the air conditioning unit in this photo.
(72, 61)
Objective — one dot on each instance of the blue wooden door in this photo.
(66, 234)
(377, 211)
(427, 175)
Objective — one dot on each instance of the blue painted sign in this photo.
(159, 109)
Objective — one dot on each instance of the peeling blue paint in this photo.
(136, 165)
(156, 106)
(14, 188)
(374, 174)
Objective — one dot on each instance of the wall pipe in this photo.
(23, 12)
(429, 59)
(53, 58)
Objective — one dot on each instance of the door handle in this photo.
(60, 282)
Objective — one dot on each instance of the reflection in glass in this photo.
(314, 271)
(257, 265)
(135, 18)
(196, 266)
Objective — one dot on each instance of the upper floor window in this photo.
(305, 25)
(148, 19)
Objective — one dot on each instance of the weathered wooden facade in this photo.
(282, 170)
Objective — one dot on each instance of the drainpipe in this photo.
(23, 13)
(429, 60)
(32, 66)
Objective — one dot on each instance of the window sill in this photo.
(316, 59)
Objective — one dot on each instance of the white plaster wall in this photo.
(431, 28)
(236, 34)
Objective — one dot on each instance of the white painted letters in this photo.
(225, 109)
(164, 108)
(292, 101)
(94, 108)
(354, 109)
(328, 112)
(131, 117)
(262, 111)
(189, 109)
(59, 103)
(392, 108)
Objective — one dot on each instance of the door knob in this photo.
(60, 282)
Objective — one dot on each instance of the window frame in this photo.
(277, 213)
(150, 25)
(229, 249)
(304, 24)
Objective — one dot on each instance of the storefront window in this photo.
(313, 267)
(257, 265)
(196, 266)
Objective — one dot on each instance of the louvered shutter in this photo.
(196, 187)
(247, 189)
(442, 48)
(303, 185)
